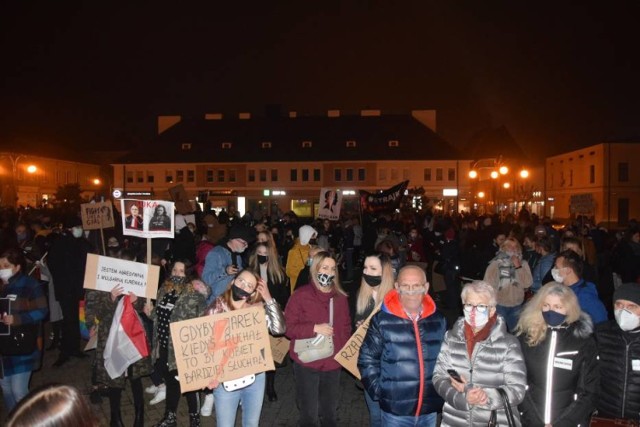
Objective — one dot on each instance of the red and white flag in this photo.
(127, 342)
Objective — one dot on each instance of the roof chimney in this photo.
(165, 122)
(370, 113)
(244, 116)
(426, 117)
(213, 116)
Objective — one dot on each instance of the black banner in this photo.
(386, 200)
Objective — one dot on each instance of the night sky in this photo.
(558, 75)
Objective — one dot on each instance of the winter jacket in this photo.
(275, 318)
(67, 261)
(543, 266)
(215, 269)
(190, 304)
(398, 356)
(296, 260)
(495, 362)
(589, 301)
(28, 306)
(619, 362)
(309, 306)
(562, 376)
(508, 281)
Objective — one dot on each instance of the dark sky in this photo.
(557, 74)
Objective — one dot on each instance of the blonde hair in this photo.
(366, 292)
(275, 272)
(533, 325)
(315, 267)
(513, 241)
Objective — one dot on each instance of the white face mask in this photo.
(626, 319)
(5, 274)
(480, 320)
(555, 273)
(77, 232)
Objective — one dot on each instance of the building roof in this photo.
(328, 137)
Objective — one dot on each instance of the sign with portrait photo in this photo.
(104, 273)
(147, 218)
(330, 204)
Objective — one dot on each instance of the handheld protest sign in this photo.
(181, 199)
(221, 347)
(279, 348)
(103, 273)
(96, 215)
(347, 357)
(147, 218)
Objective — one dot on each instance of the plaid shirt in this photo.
(29, 306)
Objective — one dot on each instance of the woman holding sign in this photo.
(318, 324)
(178, 299)
(246, 290)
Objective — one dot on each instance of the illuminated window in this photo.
(186, 146)
(266, 145)
(393, 143)
(226, 145)
(306, 144)
(351, 144)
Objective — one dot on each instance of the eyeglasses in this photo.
(247, 286)
(480, 308)
(405, 289)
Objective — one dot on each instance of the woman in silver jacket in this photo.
(246, 290)
(486, 357)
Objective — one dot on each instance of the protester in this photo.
(53, 406)
(298, 254)
(509, 275)
(560, 355)
(399, 352)
(28, 309)
(568, 271)
(308, 315)
(303, 277)
(178, 300)
(544, 247)
(263, 261)
(619, 357)
(246, 290)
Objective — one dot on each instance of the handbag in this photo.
(316, 348)
(22, 340)
(612, 422)
(493, 419)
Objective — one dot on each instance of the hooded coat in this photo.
(495, 362)
(398, 356)
(562, 375)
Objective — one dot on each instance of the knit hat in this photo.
(306, 233)
(248, 234)
(629, 292)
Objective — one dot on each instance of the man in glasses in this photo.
(399, 352)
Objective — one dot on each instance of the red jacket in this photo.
(309, 306)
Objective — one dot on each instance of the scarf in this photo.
(472, 339)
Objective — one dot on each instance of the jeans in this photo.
(426, 420)
(227, 404)
(375, 413)
(14, 388)
(317, 395)
(510, 315)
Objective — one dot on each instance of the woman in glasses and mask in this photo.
(485, 357)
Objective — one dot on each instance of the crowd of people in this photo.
(529, 324)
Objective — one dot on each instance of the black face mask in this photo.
(373, 281)
(239, 294)
(262, 259)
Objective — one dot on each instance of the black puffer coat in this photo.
(563, 364)
(619, 363)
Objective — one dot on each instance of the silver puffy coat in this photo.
(495, 362)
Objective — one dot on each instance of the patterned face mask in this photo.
(325, 279)
(178, 280)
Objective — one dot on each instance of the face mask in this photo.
(239, 251)
(372, 280)
(22, 237)
(178, 280)
(476, 319)
(239, 294)
(553, 318)
(5, 274)
(626, 319)
(309, 262)
(77, 232)
(555, 273)
(325, 279)
(262, 259)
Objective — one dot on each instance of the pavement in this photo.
(352, 409)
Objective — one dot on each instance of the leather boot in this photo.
(194, 420)
(169, 420)
(114, 403)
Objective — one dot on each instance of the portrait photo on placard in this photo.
(161, 218)
(133, 215)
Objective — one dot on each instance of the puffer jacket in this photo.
(619, 363)
(398, 356)
(562, 376)
(495, 362)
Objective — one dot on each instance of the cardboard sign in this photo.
(348, 355)
(221, 347)
(330, 204)
(181, 199)
(279, 348)
(147, 218)
(104, 273)
(96, 215)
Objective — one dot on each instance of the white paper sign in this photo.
(330, 204)
(104, 273)
(147, 218)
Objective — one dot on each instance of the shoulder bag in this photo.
(493, 420)
(319, 347)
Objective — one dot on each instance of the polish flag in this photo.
(127, 342)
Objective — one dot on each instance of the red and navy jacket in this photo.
(398, 356)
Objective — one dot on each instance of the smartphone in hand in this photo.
(454, 374)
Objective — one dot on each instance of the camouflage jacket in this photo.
(99, 307)
(190, 304)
